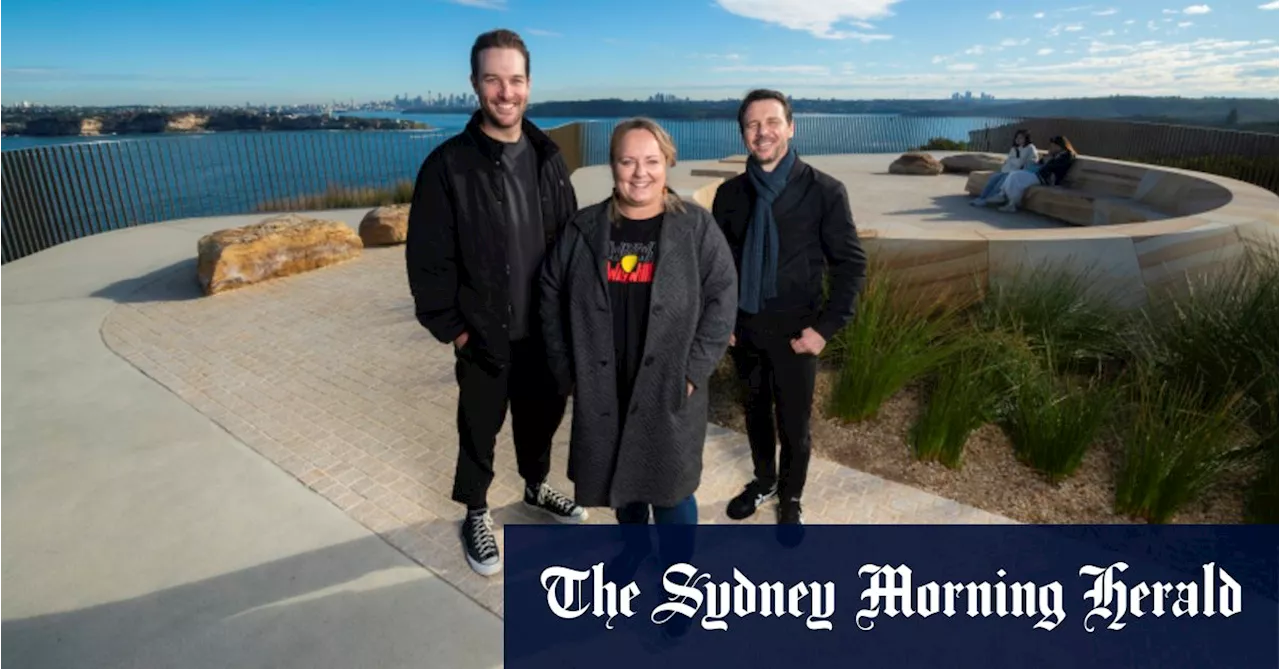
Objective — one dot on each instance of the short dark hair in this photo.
(497, 39)
(756, 96)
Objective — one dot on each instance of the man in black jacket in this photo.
(788, 225)
(487, 204)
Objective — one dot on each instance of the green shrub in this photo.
(1174, 448)
(1052, 419)
(1222, 337)
(943, 144)
(1059, 309)
(891, 342)
(964, 393)
(339, 197)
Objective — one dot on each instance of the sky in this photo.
(293, 52)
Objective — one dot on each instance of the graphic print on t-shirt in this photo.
(631, 262)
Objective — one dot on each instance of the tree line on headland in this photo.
(1252, 114)
(133, 122)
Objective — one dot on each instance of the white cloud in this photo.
(1152, 25)
(1107, 33)
(482, 4)
(1270, 5)
(962, 67)
(1197, 9)
(941, 59)
(996, 15)
(1076, 27)
(1106, 12)
(1044, 52)
(815, 70)
(1184, 24)
(1015, 42)
(1130, 22)
(1040, 15)
(538, 32)
(1171, 11)
(817, 17)
(976, 50)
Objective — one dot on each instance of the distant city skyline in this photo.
(290, 53)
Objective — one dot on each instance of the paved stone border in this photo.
(330, 376)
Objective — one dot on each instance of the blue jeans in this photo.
(683, 513)
(993, 185)
(674, 529)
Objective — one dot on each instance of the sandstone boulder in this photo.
(385, 226)
(966, 163)
(916, 163)
(977, 181)
(276, 247)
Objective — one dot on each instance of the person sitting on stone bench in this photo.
(1051, 171)
(1022, 155)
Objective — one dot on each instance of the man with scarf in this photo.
(790, 227)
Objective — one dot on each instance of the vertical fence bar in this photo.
(29, 225)
(106, 193)
(70, 176)
(9, 241)
(54, 187)
(163, 178)
(16, 218)
(41, 198)
(39, 226)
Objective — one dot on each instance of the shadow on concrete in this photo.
(354, 604)
(956, 208)
(174, 283)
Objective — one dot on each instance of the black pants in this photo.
(484, 393)
(779, 386)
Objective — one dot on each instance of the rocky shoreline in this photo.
(140, 123)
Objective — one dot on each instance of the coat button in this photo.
(635, 408)
(648, 361)
(657, 308)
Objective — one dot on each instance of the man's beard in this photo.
(493, 120)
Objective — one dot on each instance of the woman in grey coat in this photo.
(639, 298)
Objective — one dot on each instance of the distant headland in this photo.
(90, 122)
(1252, 114)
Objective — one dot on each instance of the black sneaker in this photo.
(750, 499)
(790, 512)
(790, 523)
(550, 501)
(479, 544)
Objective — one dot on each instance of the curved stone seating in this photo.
(1138, 231)
(1107, 192)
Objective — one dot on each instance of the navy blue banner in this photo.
(891, 596)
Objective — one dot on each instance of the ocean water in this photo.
(61, 188)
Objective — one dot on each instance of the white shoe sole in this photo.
(567, 520)
(482, 569)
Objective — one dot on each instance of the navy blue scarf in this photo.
(758, 278)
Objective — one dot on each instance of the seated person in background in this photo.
(1051, 172)
(1022, 155)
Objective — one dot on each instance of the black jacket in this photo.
(816, 233)
(456, 246)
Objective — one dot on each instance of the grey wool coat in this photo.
(692, 309)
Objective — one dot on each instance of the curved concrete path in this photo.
(140, 533)
(260, 478)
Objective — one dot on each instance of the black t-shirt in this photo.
(632, 259)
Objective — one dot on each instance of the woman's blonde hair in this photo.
(670, 201)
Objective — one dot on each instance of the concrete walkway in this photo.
(140, 533)
(260, 478)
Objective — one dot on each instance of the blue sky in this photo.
(139, 52)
